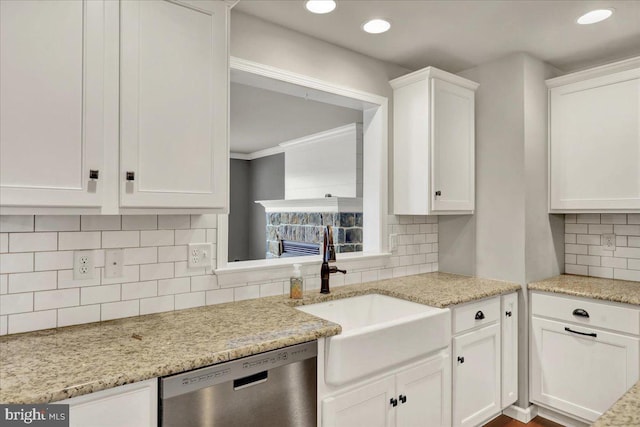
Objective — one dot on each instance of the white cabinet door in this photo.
(129, 405)
(580, 374)
(509, 349)
(173, 99)
(369, 405)
(476, 376)
(51, 96)
(452, 147)
(595, 143)
(424, 394)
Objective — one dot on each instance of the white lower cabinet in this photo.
(417, 396)
(509, 349)
(128, 405)
(476, 376)
(577, 368)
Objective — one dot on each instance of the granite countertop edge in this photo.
(613, 290)
(22, 385)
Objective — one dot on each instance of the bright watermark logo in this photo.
(34, 415)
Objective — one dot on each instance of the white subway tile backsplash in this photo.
(174, 286)
(576, 228)
(27, 282)
(133, 256)
(156, 238)
(588, 218)
(156, 304)
(172, 253)
(78, 240)
(16, 223)
(59, 260)
(204, 283)
(56, 299)
(78, 315)
(600, 228)
(57, 223)
(626, 274)
(99, 294)
(249, 292)
(120, 239)
(140, 222)
(183, 237)
(4, 243)
(174, 222)
(629, 230)
(100, 222)
(33, 321)
(137, 290)
(66, 280)
(16, 263)
(130, 273)
(16, 303)
(190, 300)
(156, 275)
(219, 296)
(621, 263)
(33, 242)
(204, 221)
(118, 310)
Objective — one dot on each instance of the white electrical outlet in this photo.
(83, 265)
(113, 260)
(608, 242)
(393, 242)
(200, 254)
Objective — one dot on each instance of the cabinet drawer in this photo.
(600, 314)
(469, 316)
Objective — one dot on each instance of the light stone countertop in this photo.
(591, 287)
(55, 364)
(626, 411)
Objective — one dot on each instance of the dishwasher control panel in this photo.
(225, 372)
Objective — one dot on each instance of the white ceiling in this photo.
(459, 34)
(262, 119)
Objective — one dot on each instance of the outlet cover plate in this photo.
(200, 255)
(83, 265)
(113, 260)
(608, 242)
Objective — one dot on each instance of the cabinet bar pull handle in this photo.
(94, 174)
(508, 314)
(479, 315)
(580, 312)
(403, 398)
(588, 334)
(460, 359)
(393, 402)
(131, 176)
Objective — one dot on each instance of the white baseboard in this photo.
(520, 414)
(559, 418)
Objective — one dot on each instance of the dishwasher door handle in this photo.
(251, 380)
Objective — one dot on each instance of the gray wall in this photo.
(267, 183)
(511, 236)
(259, 179)
(239, 196)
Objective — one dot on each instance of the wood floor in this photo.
(504, 421)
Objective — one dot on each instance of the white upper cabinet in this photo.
(51, 96)
(173, 101)
(114, 107)
(594, 139)
(434, 143)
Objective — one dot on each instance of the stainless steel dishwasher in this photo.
(276, 388)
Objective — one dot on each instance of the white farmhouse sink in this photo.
(378, 332)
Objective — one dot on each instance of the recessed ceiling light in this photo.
(320, 6)
(595, 16)
(376, 26)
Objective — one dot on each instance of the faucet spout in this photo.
(328, 255)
